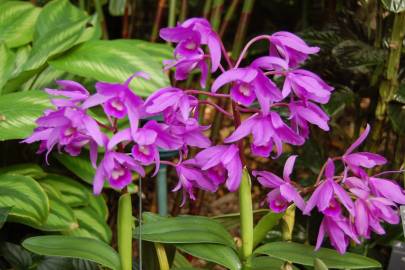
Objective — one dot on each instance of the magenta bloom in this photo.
(267, 130)
(339, 231)
(222, 158)
(73, 91)
(302, 113)
(325, 195)
(361, 159)
(307, 86)
(191, 132)
(290, 47)
(249, 84)
(191, 177)
(173, 99)
(117, 169)
(118, 100)
(190, 35)
(283, 192)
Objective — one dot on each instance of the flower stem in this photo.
(124, 224)
(199, 92)
(172, 13)
(162, 258)
(218, 108)
(246, 216)
(246, 48)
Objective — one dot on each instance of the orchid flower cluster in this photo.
(353, 203)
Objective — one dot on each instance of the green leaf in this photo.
(99, 205)
(268, 263)
(16, 256)
(28, 169)
(264, 225)
(90, 225)
(185, 229)
(231, 221)
(57, 13)
(7, 58)
(396, 114)
(116, 61)
(74, 247)
(305, 255)
(18, 112)
(216, 253)
(73, 193)
(17, 20)
(3, 215)
(79, 165)
(28, 201)
(52, 263)
(79, 264)
(117, 7)
(395, 6)
(180, 261)
(341, 98)
(61, 216)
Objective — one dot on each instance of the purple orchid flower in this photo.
(147, 140)
(324, 195)
(249, 83)
(361, 159)
(302, 113)
(173, 99)
(266, 130)
(290, 47)
(307, 86)
(191, 177)
(69, 127)
(339, 231)
(222, 158)
(119, 101)
(191, 132)
(190, 35)
(117, 169)
(283, 191)
(73, 91)
(387, 189)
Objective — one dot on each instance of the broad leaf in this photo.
(28, 201)
(18, 112)
(56, 13)
(17, 20)
(74, 247)
(268, 263)
(73, 193)
(264, 225)
(28, 169)
(185, 229)
(53, 263)
(99, 205)
(319, 264)
(16, 256)
(396, 6)
(216, 253)
(3, 215)
(231, 221)
(79, 165)
(305, 255)
(115, 61)
(7, 58)
(90, 225)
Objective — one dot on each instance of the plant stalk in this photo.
(228, 17)
(100, 13)
(246, 217)
(243, 24)
(172, 13)
(124, 224)
(158, 18)
(162, 257)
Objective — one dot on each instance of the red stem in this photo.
(216, 107)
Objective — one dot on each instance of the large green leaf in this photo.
(396, 6)
(28, 169)
(28, 201)
(268, 263)
(305, 255)
(115, 61)
(232, 220)
(264, 225)
(16, 256)
(53, 263)
(17, 20)
(185, 229)
(3, 215)
(18, 112)
(56, 13)
(61, 216)
(7, 58)
(74, 247)
(79, 165)
(73, 193)
(99, 205)
(90, 225)
(216, 253)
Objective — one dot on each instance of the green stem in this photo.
(228, 17)
(246, 216)
(389, 84)
(216, 14)
(243, 23)
(172, 13)
(124, 224)
(207, 8)
(162, 258)
(100, 14)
